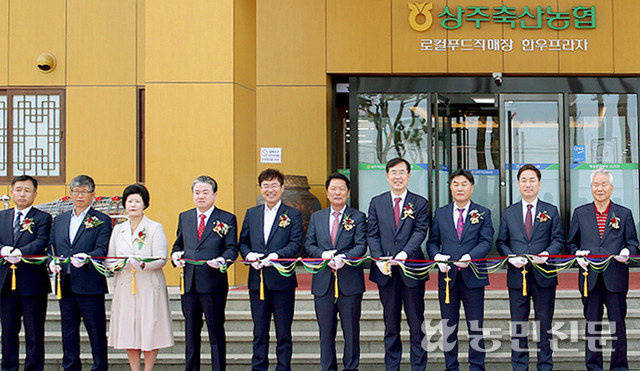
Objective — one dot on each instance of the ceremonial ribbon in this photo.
(524, 281)
(414, 269)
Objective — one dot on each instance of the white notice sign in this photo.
(271, 155)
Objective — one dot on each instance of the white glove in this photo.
(110, 263)
(328, 254)
(463, 262)
(135, 263)
(384, 266)
(266, 262)
(541, 258)
(217, 262)
(253, 256)
(582, 252)
(623, 256)
(518, 261)
(176, 258)
(583, 262)
(444, 268)
(54, 268)
(6, 250)
(402, 255)
(79, 259)
(15, 257)
(337, 262)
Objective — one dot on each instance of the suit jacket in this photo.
(546, 236)
(584, 235)
(284, 241)
(385, 240)
(352, 243)
(31, 280)
(211, 245)
(94, 241)
(476, 240)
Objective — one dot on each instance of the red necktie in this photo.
(460, 225)
(528, 221)
(396, 210)
(201, 226)
(334, 229)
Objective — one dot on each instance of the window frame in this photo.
(10, 93)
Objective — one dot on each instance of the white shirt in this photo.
(331, 217)
(75, 222)
(270, 216)
(24, 213)
(533, 210)
(456, 212)
(207, 214)
(402, 198)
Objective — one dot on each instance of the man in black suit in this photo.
(205, 233)
(604, 228)
(335, 233)
(461, 231)
(271, 231)
(24, 231)
(79, 234)
(533, 227)
(397, 227)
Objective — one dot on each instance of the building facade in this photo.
(163, 91)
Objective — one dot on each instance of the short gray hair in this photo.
(81, 181)
(205, 179)
(602, 171)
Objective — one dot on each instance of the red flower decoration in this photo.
(140, 234)
(65, 198)
(115, 198)
(99, 198)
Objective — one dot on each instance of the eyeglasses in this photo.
(77, 193)
(270, 186)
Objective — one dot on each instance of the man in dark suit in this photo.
(24, 231)
(461, 231)
(80, 234)
(604, 228)
(269, 232)
(531, 227)
(335, 233)
(205, 233)
(397, 227)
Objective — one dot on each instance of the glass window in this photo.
(31, 128)
(604, 133)
(389, 126)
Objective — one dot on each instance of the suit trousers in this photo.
(280, 304)
(350, 308)
(91, 309)
(14, 309)
(393, 295)
(473, 301)
(212, 305)
(544, 299)
(616, 303)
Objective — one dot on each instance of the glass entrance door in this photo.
(531, 135)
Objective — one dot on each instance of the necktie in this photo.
(528, 221)
(460, 224)
(334, 228)
(201, 226)
(16, 225)
(396, 210)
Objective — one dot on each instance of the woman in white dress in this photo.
(140, 314)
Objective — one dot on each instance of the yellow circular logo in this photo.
(417, 9)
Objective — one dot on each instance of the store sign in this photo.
(421, 17)
(504, 45)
